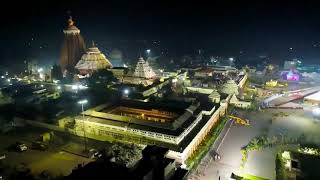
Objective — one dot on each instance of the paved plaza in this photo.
(260, 163)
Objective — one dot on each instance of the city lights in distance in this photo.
(78, 86)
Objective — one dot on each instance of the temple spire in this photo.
(93, 44)
(70, 21)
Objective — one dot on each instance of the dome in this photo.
(116, 54)
(93, 59)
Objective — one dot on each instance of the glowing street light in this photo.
(148, 51)
(126, 91)
(316, 112)
(82, 102)
(74, 87)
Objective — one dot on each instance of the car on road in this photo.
(18, 146)
(94, 154)
(2, 156)
(21, 147)
(215, 155)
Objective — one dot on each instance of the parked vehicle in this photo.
(94, 154)
(2, 156)
(215, 156)
(21, 147)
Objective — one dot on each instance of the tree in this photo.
(56, 72)
(101, 78)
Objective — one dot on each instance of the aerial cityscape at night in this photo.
(163, 90)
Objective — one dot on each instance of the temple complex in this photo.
(73, 47)
(92, 60)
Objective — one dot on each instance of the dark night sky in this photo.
(223, 27)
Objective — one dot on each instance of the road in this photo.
(55, 160)
(236, 138)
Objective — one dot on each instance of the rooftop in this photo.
(169, 117)
(313, 97)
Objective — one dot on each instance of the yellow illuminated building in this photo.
(271, 83)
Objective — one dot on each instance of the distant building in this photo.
(92, 60)
(271, 83)
(73, 47)
(289, 65)
(203, 72)
(291, 75)
(240, 104)
(33, 66)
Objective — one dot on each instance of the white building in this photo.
(92, 60)
(214, 96)
(143, 70)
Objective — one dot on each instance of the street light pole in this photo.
(84, 130)
(82, 102)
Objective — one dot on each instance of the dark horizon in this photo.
(222, 28)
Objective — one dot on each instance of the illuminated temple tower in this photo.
(92, 60)
(143, 70)
(73, 47)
